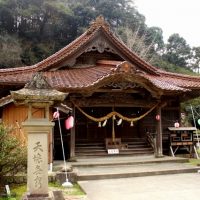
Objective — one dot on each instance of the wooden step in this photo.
(135, 146)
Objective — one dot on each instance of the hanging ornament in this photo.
(104, 123)
(56, 115)
(198, 121)
(69, 122)
(119, 122)
(114, 117)
(157, 117)
(99, 125)
(132, 124)
(176, 125)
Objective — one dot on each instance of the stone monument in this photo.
(38, 94)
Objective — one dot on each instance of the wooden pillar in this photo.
(159, 148)
(72, 138)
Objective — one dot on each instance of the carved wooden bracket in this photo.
(127, 67)
(100, 45)
(98, 22)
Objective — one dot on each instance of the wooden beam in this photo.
(109, 102)
(159, 148)
(118, 90)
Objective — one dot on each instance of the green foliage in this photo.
(10, 51)
(186, 107)
(13, 157)
(167, 66)
(177, 51)
(17, 191)
(145, 45)
(195, 63)
(42, 27)
(194, 162)
(36, 24)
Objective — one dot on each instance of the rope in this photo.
(114, 113)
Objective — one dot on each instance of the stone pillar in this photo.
(37, 174)
(159, 149)
(38, 93)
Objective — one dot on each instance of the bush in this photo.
(13, 156)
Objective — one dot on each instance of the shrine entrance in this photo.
(89, 130)
(97, 138)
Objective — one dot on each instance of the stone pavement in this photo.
(104, 178)
(161, 187)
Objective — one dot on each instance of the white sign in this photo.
(113, 151)
(7, 189)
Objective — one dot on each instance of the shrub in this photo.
(13, 156)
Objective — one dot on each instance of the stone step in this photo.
(106, 155)
(126, 171)
(102, 155)
(114, 160)
(119, 166)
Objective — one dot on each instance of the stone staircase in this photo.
(130, 166)
(135, 146)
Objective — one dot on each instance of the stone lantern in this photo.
(38, 94)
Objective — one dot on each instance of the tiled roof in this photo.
(82, 78)
(175, 83)
(92, 75)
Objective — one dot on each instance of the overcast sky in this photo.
(173, 16)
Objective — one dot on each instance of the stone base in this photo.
(53, 195)
(159, 156)
(72, 159)
(61, 177)
(38, 197)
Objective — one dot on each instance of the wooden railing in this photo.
(151, 139)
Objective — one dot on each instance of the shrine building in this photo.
(120, 103)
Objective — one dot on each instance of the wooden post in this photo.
(113, 129)
(159, 149)
(72, 138)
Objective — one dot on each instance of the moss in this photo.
(194, 161)
(19, 190)
(75, 190)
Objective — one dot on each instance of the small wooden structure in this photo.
(108, 86)
(182, 137)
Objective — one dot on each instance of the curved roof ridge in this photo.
(38, 66)
(178, 75)
(120, 43)
(67, 50)
(18, 69)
